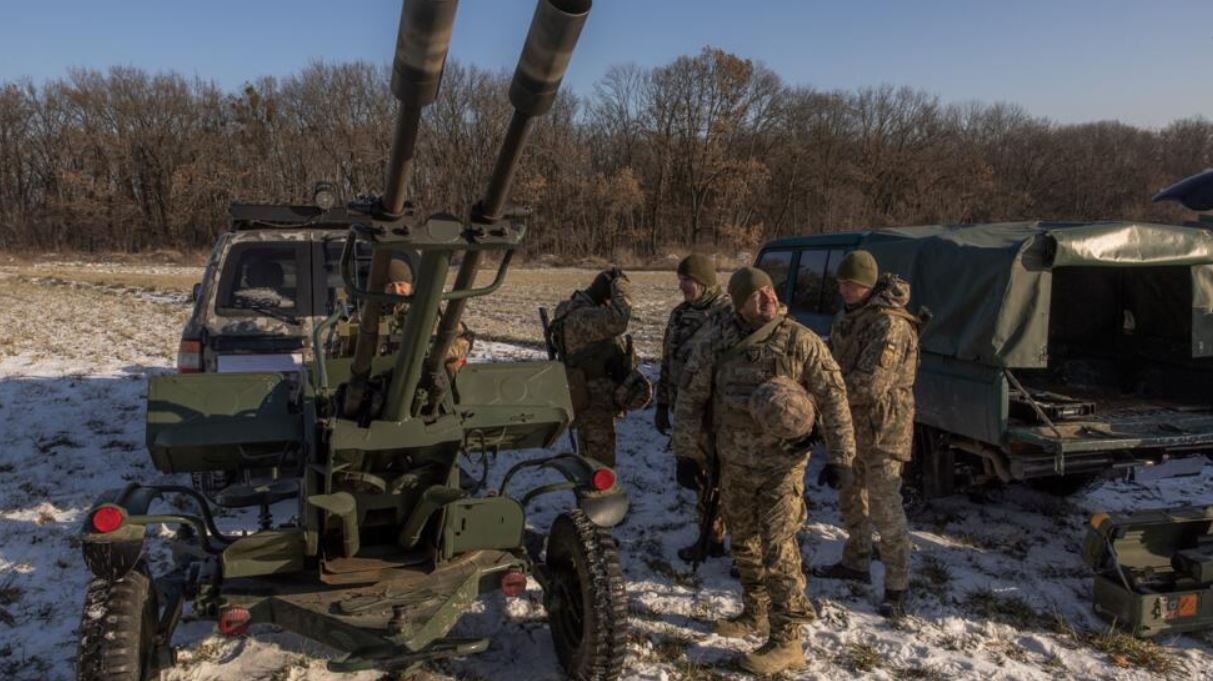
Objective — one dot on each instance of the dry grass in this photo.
(9, 592)
(152, 281)
(1012, 609)
(57, 322)
(860, 657)
(511, 314)
(1127, 651)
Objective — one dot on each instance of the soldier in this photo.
(876, 343)
(703, 301)
(400, 282)
(762, 474)
(587, 332)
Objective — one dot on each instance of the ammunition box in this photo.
(1153, 569)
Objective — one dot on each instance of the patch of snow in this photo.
(71, 427)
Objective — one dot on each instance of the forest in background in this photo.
(711, 151)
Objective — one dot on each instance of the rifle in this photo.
(553, 355)
(711, 495)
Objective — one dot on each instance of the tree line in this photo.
(708, 151)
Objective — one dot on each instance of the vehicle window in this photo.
(831, 301)
(777, 264)
(261, 277)
(333, 284)
(806, 297)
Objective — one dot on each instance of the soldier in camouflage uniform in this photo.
(876, 343)
(400, 282)
(587, 332)
(703, 302)
(762, 477)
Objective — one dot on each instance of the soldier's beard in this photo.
(764, 314)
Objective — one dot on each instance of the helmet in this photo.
(634, 393)
(783, 409)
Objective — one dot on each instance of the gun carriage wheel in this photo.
(585, 599)
(118, 629)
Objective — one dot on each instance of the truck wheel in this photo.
(118, 630)
(585, 598)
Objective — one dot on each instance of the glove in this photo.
(836, 476)
(661, 419)
(688, 473)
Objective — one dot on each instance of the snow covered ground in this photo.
(999, 590)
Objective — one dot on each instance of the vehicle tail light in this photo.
(604, 479)
(107, 519)
(513, 583)
(189, 356)
(234, 621)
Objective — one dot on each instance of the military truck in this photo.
(1054, 351)
(383, 545)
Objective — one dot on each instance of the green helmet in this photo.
(859, 267)
(783, 408)
(634, 393)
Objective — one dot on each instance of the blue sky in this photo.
(1141, 62)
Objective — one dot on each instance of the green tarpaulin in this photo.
(989, 287)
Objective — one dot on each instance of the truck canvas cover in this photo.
(989, 287)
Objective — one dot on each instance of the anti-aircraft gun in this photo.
(387, 546)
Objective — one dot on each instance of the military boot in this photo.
(893, 606)
(775, 657)
(692, 554)
(749, 622)
(840, 571)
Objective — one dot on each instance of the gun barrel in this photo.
(554, 31)
(421, 46)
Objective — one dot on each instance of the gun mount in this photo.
(389, 543)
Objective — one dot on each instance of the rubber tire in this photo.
(117, 638)
(590, 644)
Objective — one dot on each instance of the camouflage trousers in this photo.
(764, 511)
(595, 425)
(874, 501)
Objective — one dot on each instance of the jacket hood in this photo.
(891, 291)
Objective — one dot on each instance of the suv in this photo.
(1054, 351)
(270, 278)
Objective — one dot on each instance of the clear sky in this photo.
(1145, 62)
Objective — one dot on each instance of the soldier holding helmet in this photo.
(759, 434)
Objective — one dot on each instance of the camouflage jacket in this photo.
(876, 344)
(582, 329)
(685, 320)
(460, 347)
(720, 380)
